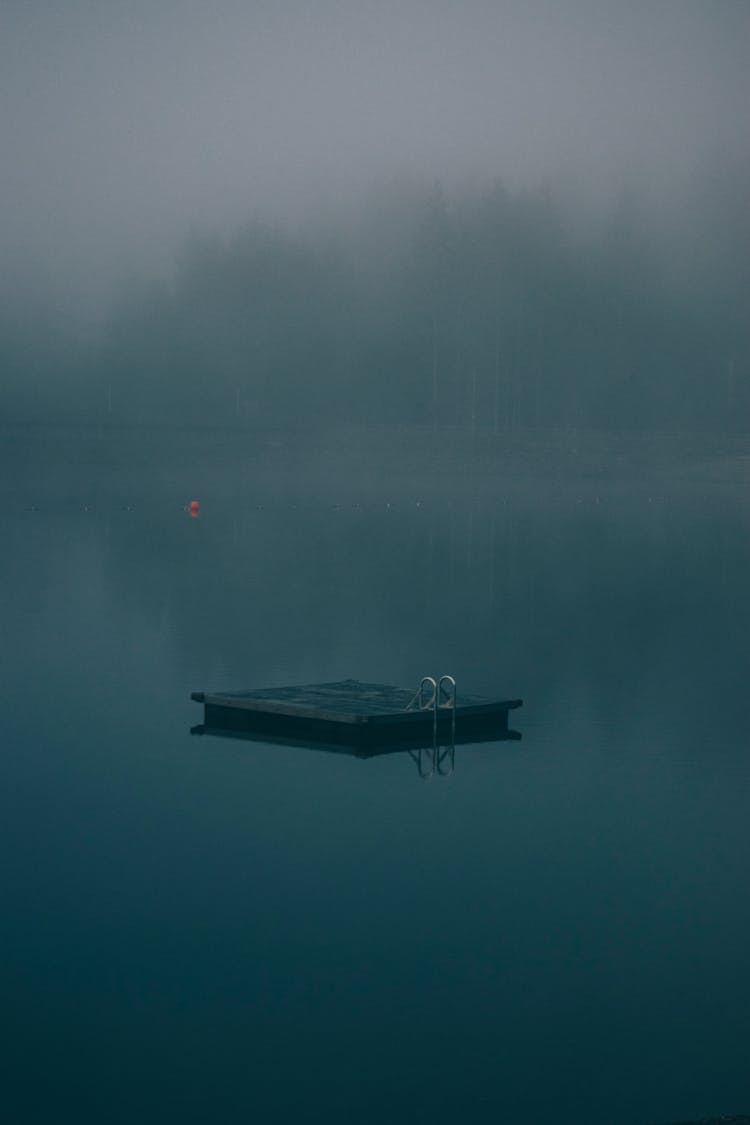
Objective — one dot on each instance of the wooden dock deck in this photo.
(349, 712)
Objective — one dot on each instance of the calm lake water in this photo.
(199, 929)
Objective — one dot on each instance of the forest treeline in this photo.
(484, 312)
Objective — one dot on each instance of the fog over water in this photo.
(375, 340)
(201, 928)
(123, 127)
(524, 215)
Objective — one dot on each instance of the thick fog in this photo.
(123, 125)
(130, 132)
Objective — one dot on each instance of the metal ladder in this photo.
(435, 695)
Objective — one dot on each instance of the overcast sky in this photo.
(124, 123)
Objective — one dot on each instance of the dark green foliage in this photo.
(480, 313)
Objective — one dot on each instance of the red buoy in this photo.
(194, 508)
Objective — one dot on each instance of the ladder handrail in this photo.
(418, 697)
(450, 701)
(442, 697)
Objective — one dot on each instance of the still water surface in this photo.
(204, 930)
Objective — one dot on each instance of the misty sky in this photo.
(124, 125)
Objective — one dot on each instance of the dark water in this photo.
(204, 930)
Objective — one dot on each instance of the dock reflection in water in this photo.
(430, 759)
(363, 719)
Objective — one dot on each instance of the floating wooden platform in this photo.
(351, 713)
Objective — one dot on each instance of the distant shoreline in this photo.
(537, 453)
